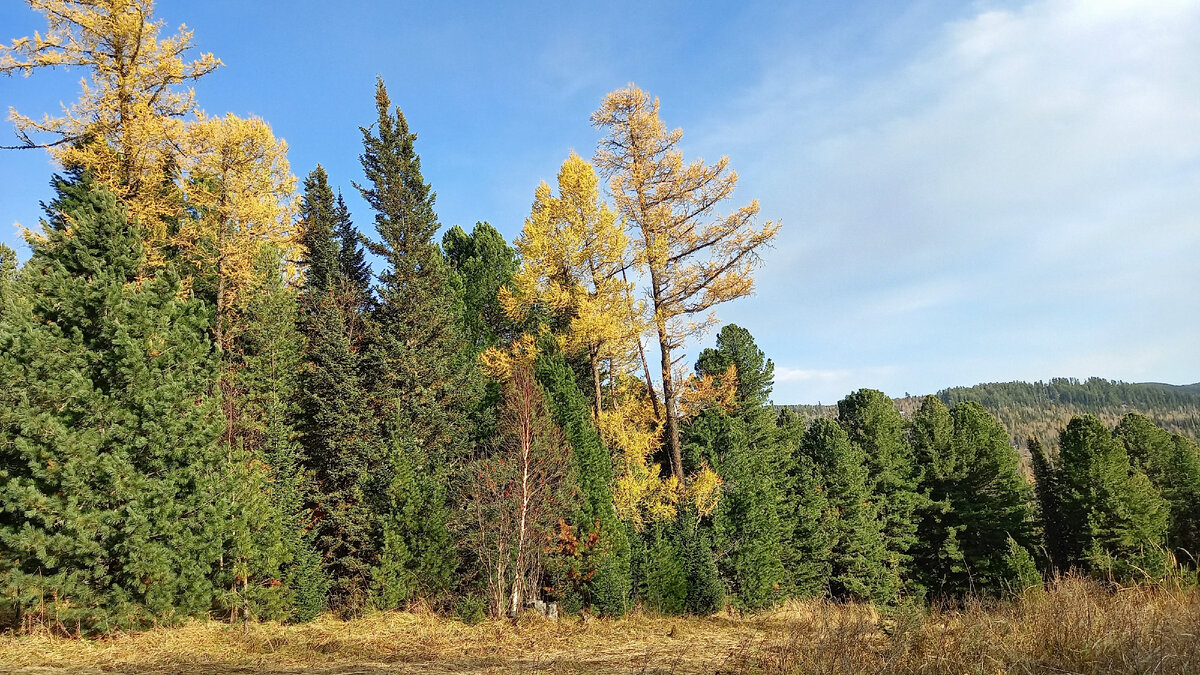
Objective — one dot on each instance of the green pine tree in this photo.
(973, 474)
(8, 273)
(742, 446)
(1172, 463)
(1047, 489)
(874, 425)
(808, 524)
(861, 567)
(1114, 520)
(111, 474)
(485, 263)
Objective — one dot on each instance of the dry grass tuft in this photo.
(1076, 627)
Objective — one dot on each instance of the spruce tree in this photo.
(111, 476)
(1114, 520)
(607, 591)
(860, 565)
(422, 375)
(341, 444)
(269, 370)
(874, 425)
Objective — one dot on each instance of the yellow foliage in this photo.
(630, 426)
(707, 392)
(239, 188)
(573, 252)
(500, 363)
(704, 490)
(128, 126)
(694, 259)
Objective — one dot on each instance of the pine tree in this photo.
(1048, 491)
(808, 525)
(742, 447)
(8, 273)
(1172, 463)
(607, 592)
(110, 469)
(861, 566)
(1114, 520)
(874, 425)
(318, 218)
(422, 374)
(975, 474)
(485, 263)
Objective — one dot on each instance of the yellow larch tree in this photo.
(239, 190)
(573, 252)
(128, 126)
(693, 258)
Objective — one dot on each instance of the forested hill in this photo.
(1043, 408)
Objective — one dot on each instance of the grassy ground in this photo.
(1077, 627)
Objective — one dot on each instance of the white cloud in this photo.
(1029, 166)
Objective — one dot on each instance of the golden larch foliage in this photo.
(240, 189)
(694, 259)
(573, 251)
(128, 126)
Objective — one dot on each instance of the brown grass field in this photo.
(1076, 627)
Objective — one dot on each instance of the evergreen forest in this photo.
(225, 395)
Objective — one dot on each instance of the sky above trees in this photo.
(969, 191)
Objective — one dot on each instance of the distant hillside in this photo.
(1043, 408)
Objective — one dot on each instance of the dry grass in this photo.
(1077, 627)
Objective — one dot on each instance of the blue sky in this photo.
(969, 191)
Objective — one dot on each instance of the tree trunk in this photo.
(594, 357)
(669, 405)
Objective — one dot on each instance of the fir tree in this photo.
(1114, 520)
(873, 424)
(110, 473)
(340, 440)
(422, 375)
(351, 262)
(268, 376)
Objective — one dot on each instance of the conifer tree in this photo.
(742, 448)
(422, 375)
(1047, 489)
(1172, 463)
(1114, 520)
(8, 273)
(485, 263)
(693, 258)
(341, 445)
(874, 425)
(607, 592)
(351, 259)
(861, 566)
(268, 366)
(808, 525)
(971, 472)
(112, 475)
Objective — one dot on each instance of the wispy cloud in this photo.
(1030, 166)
